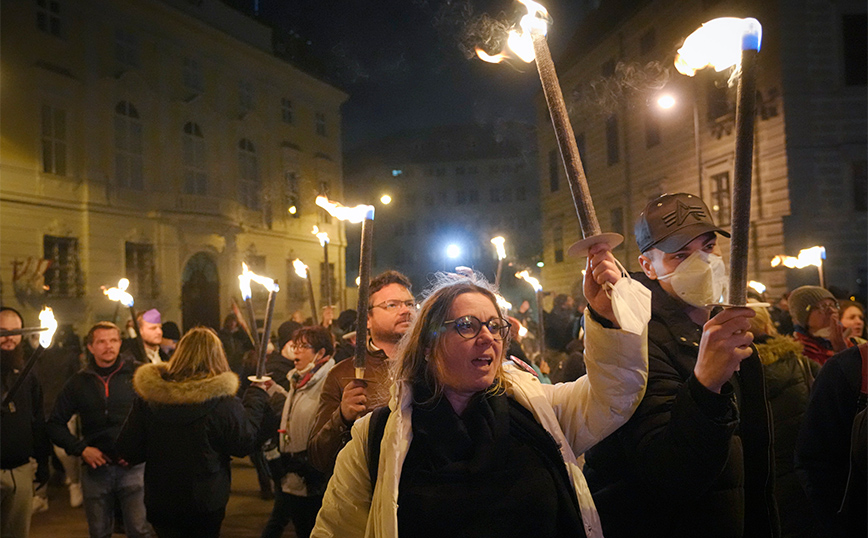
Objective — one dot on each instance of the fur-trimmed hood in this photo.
(150, 384)
(771, 349)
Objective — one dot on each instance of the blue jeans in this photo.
(110, 484)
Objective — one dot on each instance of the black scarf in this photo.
(493, 471)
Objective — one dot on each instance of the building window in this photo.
(141, 269)
(248, 168)
(853, 28)
(286, 110)
(321, 123)
(128, 147)
(48, 16)
(193, 79)
(859, 170)
(613, 149)
(292, 184)
(720, 198)
(323, 190)
(53, 140)
(717, 98)
(558, 240)
(126, 48)
(554, 171)
(63, 278)
(647, 42)
(652, 130)
(195, 175)
(245, 96)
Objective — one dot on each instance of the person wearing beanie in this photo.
(171, 335)
(815, 313)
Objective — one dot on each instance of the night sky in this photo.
(410, 63)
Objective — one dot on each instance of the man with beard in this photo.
(102, 395)
(695, 458)
(344, 399)
(22, 434)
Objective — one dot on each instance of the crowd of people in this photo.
(703, 421)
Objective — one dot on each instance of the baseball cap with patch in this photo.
(671, 221)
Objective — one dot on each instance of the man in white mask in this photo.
(694, 458)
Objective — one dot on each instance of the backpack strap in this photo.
(376, 429)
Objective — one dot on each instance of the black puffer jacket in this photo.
(689, 462)
(186, 431)
(788, 377)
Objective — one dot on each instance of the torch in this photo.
(807, 256)
(272, 288)
(365, 215)
(722, 43)
(529, 43)
(247, 294)
(537, 288)
(123, 297)
(302, 271)
(501, 254)
(324, 243)
(48, 325)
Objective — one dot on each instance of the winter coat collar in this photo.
(773, 348)
(150, 384)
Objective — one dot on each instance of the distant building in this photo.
(809, 176)
(165, 142)
(454, 186)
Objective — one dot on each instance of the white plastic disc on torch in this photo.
(580, 248)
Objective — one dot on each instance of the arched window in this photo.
(195, 174)
(128, 147)
(248, 184)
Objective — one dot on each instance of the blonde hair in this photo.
(199, 355)
(762, 323)
(420, 352)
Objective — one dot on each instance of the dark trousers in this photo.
(301, 510)
(187, 524)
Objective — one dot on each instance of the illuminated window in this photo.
(720, 198)
(195, 174)
(63, 278)
(141, 269)
(48, 16)
(128, 147)
(53, 140)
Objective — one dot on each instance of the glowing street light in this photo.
(385, 199)
(666, 102)
(453, 251)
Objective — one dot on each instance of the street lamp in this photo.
(453, 251)
(668, 101)
(385, 199)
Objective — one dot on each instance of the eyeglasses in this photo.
(393, 305)
(302, 346)
(470, 327)
(826, 307)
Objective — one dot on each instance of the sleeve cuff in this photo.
(717, 407)
(604, 322)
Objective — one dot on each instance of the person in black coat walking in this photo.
(186, 423)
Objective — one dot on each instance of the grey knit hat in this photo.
(802, 299)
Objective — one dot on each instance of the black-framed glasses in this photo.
(394, 304)
(826, 307)
(470, 326)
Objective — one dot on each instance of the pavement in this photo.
(246, 512)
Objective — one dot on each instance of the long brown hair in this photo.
(420, 351)
(199, 355)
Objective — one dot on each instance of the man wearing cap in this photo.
(695, 457)
(102, 395)
(816, 323)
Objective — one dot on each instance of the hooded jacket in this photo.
(186, 431)
(576, 414)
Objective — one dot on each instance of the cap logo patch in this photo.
(681, 212)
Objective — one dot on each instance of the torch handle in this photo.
(251, 322)
(744, 124)
(327, 276)
(140, 344)
(498, 274)
(312, 299)
(20, 381)
(566, 138)
(365, 263)
(266, 331)
(540, 319)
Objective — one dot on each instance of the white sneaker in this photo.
(75, 496)
(40, 504)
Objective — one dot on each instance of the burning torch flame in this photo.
(519, 39)
(352, 214)
(718, 43)
(807, 256)
(503, 303)
(300, 268)
(119, 293)
(247, 276)
(524, 275)
(498, 243)
(522, 330)
(322, 236)
(46, 319)
(759, 287)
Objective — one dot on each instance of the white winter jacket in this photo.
(296, 420)
(577, 414)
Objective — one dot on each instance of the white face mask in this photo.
(699, 280)
(824, 332)
(631, 303)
